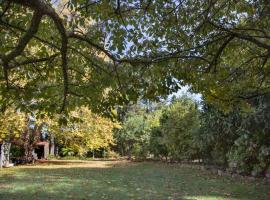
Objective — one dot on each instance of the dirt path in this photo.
(79, 163)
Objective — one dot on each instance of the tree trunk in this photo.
(4, 156)
(1, 155)
(52, 146)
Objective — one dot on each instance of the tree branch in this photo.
(43, 8)
(242, 36)
(12, 26)
(219, 52)
(98, 47)
(36, 19)
(5, 9)
(37, 60)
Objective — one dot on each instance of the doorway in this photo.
(39, 150)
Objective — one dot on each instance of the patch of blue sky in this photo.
(185, 91)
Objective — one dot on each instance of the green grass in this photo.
(111, 180)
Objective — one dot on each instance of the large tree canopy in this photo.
(56, 54)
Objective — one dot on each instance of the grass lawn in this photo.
(122, 180)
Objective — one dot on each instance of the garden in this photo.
(137, 99)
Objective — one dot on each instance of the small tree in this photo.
(12, 123)
(178, 124)
(83, 131)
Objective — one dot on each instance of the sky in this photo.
(184, 91)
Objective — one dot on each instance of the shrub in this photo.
(111, 154)
(66, 151)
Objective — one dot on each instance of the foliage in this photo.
(134, 137)
(217, 134)
(16, 152)
(56, 56)
(111, 154)
(65, 151)
(84, 131)
(178, 123)
(238, 139)
(157, 144)
(167, 131)
(103, 53)
(268, 172)
(12, 124)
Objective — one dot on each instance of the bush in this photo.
(134, 137)
(111, 154)
(267, 172)
(250, 155)
(66, 151)
(157, 145)
(16, 151)
(178, 124)
(256, 170)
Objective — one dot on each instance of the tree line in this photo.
(182, 130)
(186, 131)
(78, 134)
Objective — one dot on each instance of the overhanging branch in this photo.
(36, 19)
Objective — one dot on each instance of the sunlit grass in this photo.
(124, 180)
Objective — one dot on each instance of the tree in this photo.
(96, 52)
(217, 134)
(237, 139)
(83, 131)
(178, 125)
(12, 124)
(168, 131)
(17, 128)
(134, 137)
(157, 144)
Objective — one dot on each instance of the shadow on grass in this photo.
(118, 181)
